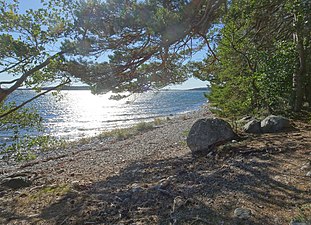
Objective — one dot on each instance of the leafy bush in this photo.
(25, 134)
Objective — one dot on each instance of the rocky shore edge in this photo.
(152, 178)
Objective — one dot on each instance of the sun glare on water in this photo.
(84, 111)
(78, 113)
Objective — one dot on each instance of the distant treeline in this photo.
(63, 88)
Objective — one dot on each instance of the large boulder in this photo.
(253, 127)
(208, 133)
(272, 124)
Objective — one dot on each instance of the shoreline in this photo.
(151, 177)
(72, 147)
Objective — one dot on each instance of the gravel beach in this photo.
(152, 178)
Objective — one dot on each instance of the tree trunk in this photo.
(308, 72)
(308, 91)
(299, 74)
(308, 84)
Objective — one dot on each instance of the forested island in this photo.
(243, 158)
(66, 88)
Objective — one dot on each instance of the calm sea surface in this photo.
(79, 113)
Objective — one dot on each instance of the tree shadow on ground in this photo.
(180, 190)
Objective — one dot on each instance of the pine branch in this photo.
(35, 97)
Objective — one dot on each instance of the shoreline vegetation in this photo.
(147, 175)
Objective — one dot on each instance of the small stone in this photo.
(135, 185)
(308, 174)
(253, 160)
(306, 166)
(2, 193)
(178, 202)
(242, 213)
(297, 223)
(136, 188)
(23, 195)
(33, 215)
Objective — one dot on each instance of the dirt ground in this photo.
(268, 174)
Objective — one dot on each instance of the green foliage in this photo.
(158, 121)
(20, 145)
(125, 133)
(26, 38)
(233, 88)
(28, 42)
(257, 62)
(143, 126)
(303, 214)
(275, 77)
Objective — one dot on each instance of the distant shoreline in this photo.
(88, 88)
(65, 88)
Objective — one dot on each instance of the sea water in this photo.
(78, 113)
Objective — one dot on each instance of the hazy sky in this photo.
(34, 4)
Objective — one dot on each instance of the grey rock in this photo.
(253, 127)
(136, 188)
(297, 223)
(178, 202)
(207, 133)
(306, 166)
(242, 213)
(2, 193)
(272, 124)
(16, 182)
(308, 174)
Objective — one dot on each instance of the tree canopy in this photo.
(147, 43)
(27, 41)
(262, 50)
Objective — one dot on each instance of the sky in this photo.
(35, 4)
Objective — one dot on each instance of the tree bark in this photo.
(308, 72)
(299, 74)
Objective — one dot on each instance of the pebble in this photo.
(178, 202)
(242, 213)
(2, 193)
(297, 223)
(308, 174)
(136, 188)
(306, 166)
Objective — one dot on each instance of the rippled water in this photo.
(80, 113)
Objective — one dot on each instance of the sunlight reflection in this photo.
(81, 114)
